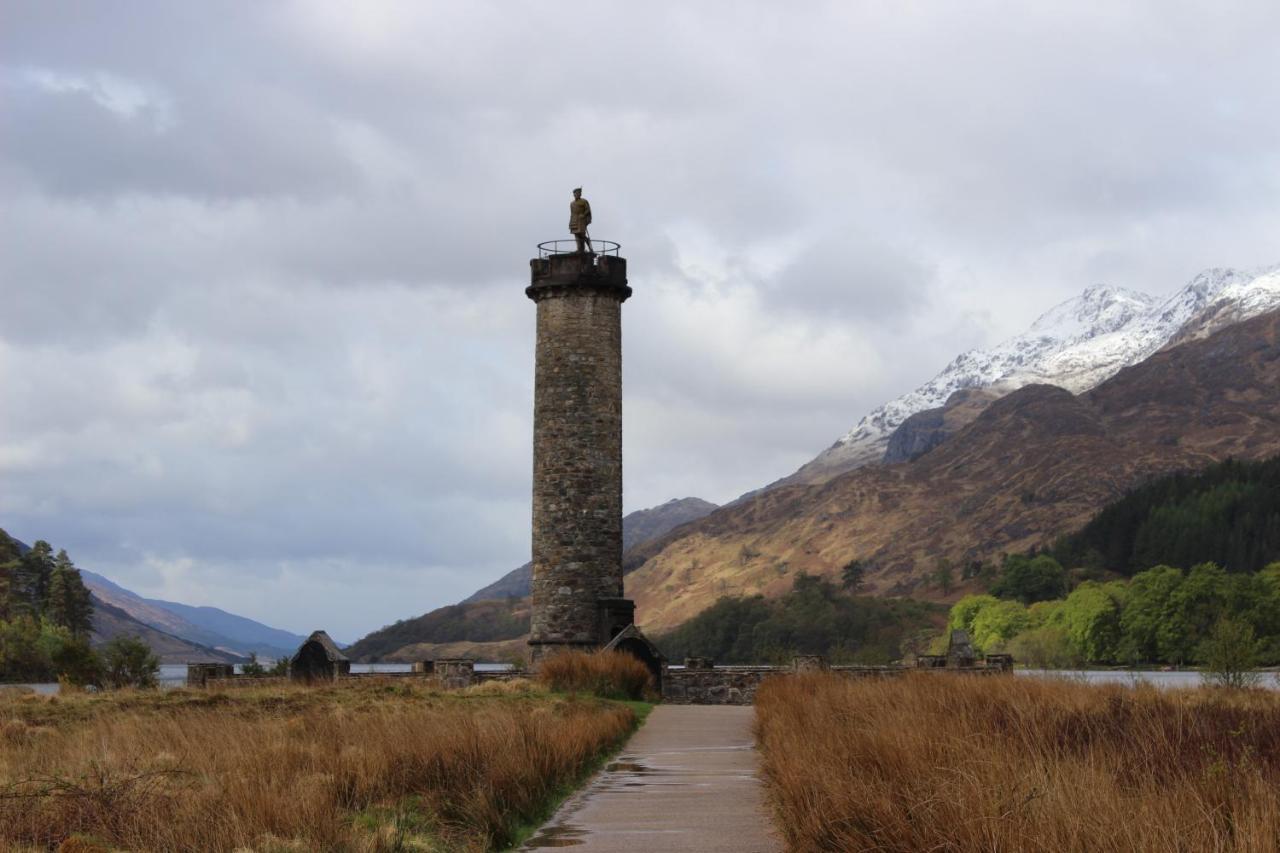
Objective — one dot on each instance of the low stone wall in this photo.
(722, 685)
(200, 674)
(236, 681)
(699, 682)
(706, 684)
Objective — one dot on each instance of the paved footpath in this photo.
(686, 781)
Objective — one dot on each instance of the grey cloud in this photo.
(263, 311)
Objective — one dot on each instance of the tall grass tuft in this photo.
(365, 766)
(611, 675)
(936, 762)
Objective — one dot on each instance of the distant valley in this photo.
(179, 633)
(208, 627)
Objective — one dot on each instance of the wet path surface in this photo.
(685, 782)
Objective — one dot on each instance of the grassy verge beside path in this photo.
(523, 832)
(954, 763)
(364, 765)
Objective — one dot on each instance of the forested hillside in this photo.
(1201, 552)
(46, 613)
(815, 617)
(1228, 513)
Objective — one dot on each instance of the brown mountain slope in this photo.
(1035, 464)
(110, 621)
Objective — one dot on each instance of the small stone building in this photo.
(318, 659)
(633, 641)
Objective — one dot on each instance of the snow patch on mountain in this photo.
(1075, 345)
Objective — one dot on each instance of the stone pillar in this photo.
(808, 663)
(577, 451)
(455, 673)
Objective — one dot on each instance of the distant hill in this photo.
(639, 526)
(178, 632)
(206, 626)
(494, 620)
(110, 621)
(472, 622)
(240, 631)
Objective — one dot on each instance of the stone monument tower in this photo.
(577, 447)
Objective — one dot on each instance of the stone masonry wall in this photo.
(577, 451)
(737, 685)
(724, 685)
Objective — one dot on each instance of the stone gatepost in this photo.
(577, 451)
(455, 673)
(808, 663)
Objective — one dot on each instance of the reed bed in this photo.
(364, 766)
(960, 763)
(615, 675)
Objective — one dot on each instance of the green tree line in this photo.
(1229, 514)
(815, 617)
(46, 617)
(1162, 615)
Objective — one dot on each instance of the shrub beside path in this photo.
(687, 781)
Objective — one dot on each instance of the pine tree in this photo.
(80, 616)
(70, 603)
(852, 576)
(7, 571)
(30, 584)
(56, 611)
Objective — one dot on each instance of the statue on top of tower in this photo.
(579, 219)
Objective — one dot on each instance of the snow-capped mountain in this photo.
(1075, 345)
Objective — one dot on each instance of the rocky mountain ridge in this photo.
(1075, 345)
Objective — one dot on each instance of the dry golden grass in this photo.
(359, 766)
(616, 675)
(955, 763)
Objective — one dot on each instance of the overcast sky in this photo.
(263, 338)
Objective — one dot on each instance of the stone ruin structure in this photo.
(319, 659)
(578, 602)
(961, 655)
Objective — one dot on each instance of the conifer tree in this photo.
(7, 571)
(69, 602)
(29, 591)
(56, 611)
